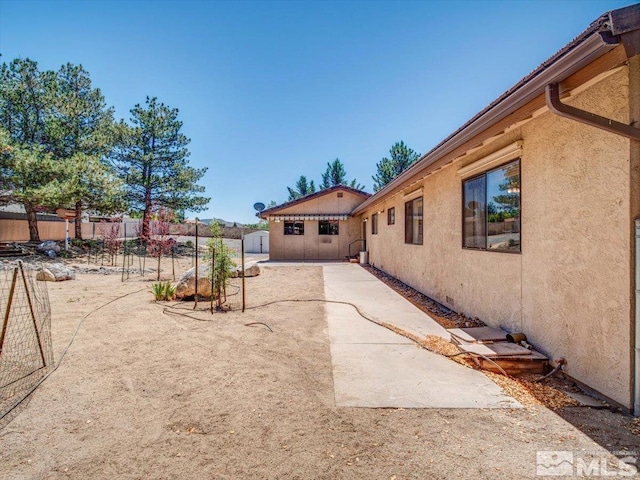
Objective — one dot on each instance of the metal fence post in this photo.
(195, 297)
(242, 261)
(213, 275)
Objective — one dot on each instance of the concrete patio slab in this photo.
(350, 282)
(377, 368)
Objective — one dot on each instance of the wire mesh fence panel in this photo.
(26, 353)
(223, 264)
(233, 290)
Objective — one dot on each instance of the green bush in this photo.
(164, 291)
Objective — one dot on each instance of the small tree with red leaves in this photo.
(111, 236)
(160, 243)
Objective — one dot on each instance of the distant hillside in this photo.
(221, 221)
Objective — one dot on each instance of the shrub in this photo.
(223, 264)
(164, 291)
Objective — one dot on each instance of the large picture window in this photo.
(413, 221)
(328, 227)
(374, 224)
(491, 209)
(294, 228)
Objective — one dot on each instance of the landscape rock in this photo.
(252, 270)
(45, 275)
(56, 272)
(186, 286)
(48, 245)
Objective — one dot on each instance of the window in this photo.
(413, 221)
(391, 216)
(491, 210)
(328, 227)
(294, 228)
(374, 224)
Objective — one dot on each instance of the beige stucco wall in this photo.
(311, 245)
(569, 288)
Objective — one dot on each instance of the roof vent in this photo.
(340, 194)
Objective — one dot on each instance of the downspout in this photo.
(636, 388)
(552, 96)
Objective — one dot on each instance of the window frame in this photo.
(374, 224)
(284, 227)
(484, 174)
(330, 230)
(391, 216)
(408, 222)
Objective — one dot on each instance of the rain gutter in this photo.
(552, 96)
(554, 71)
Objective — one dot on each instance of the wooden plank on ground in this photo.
(500, 349)
(535, 363)
(479, 334)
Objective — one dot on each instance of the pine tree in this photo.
(401, 158)
(28, 168)
(335, 174)
(151, 158)
(81, 135)
(302, 188)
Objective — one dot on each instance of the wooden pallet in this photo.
(7, 250)
(477, 335)
(488, 346)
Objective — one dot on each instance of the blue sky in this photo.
(269, 91)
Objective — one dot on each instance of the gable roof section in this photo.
(600, 38)
(273, 210)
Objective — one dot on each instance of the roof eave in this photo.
(585, 52)
(265, 213)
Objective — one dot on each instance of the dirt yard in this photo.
(150, 392)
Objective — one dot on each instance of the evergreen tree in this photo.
(151, 157)
(28, 168)
(335, 174)
(28, 175)
(81, 135)
(401, 158)
(302, 188)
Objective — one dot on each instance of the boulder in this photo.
(56, 272)
(48, 245)
(186, 286)
(45, 275)
(252, 270)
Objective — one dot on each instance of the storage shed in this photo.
(257, 242)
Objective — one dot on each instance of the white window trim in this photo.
(510, 152)
(413, 194)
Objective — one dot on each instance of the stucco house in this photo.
(528, 215)
(316, 227)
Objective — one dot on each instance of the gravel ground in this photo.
(163, 391)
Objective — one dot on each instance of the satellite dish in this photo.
(258, 206)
